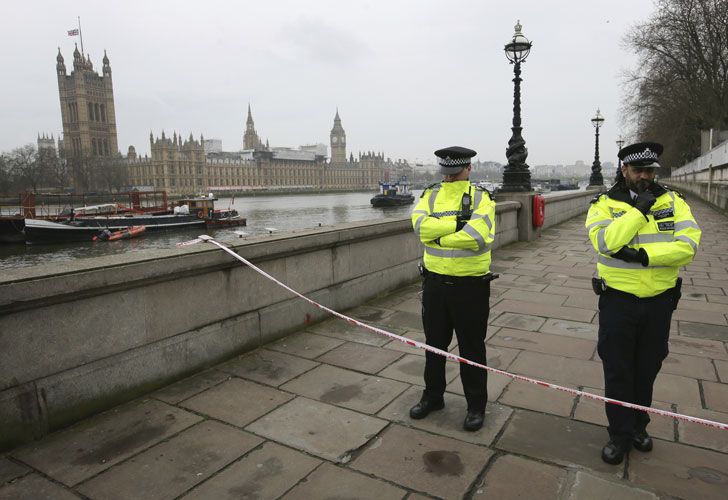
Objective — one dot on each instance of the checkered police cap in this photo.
(453, 159)
(641, 154)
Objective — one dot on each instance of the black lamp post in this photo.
(596, 178)
(516, 176)
(620, 143)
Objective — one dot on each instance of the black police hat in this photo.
(641, 154)
(453, 159)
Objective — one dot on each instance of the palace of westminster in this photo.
(188, 165)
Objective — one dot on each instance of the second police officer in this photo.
(643, 233)
(455, 221)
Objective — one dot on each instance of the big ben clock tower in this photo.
(338, 142)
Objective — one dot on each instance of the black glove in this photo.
(644, 201)
(629, 254)
(460, 224)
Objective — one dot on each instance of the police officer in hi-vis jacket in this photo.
(455, 221)
(643, 233)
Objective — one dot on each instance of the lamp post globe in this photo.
(516, 176)
(596, 178)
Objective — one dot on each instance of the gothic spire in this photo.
(249, 121)
(60, 66)
(78, 61)
(337, 124)
(106, 69)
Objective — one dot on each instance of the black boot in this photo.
(425, 406)
(642, 441)
(473, 420)
(614, 451)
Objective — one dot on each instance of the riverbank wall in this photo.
(79, 337)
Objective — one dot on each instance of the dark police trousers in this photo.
(461, 304)
(633, 335)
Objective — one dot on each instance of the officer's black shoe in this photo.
(614, 451)
(473, 420)
(642, 441)
(424, 407)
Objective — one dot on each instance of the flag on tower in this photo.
(73, 32)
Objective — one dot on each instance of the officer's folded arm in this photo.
(463, 241)
(624, 228)
(629, 254)
(432, 228)
(686, 240)
(675, 253)
(618, 233)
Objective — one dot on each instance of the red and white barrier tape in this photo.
(454, 357)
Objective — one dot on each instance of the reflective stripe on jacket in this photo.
(462, 253)
(669, 235)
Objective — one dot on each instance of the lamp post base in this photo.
(524, 219)
(596, 178)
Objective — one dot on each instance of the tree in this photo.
(26, 168)
(81, 170)
(112, 172)
(54, 168)
(680, 83)
(6, 179)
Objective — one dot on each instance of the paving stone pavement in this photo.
(323, 413)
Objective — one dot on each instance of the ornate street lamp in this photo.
(596, 178)
(620, 143)
(516, 176)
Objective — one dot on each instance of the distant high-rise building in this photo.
(87, 108)
(338, 142)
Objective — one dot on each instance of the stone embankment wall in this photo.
(705, 177)
(80, 337)
(714, 193)
(563, 206)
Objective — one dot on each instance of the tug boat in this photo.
(204, 208)
(392, 195)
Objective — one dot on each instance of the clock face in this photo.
(334, 139)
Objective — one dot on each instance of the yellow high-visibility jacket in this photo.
(434, 219)
(669, 235)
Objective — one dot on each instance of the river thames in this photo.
(283, 213)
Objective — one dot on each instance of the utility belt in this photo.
(600, 286)
(455, 280)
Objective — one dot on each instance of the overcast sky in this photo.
(408, 77)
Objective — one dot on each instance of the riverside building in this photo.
(190, 165)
